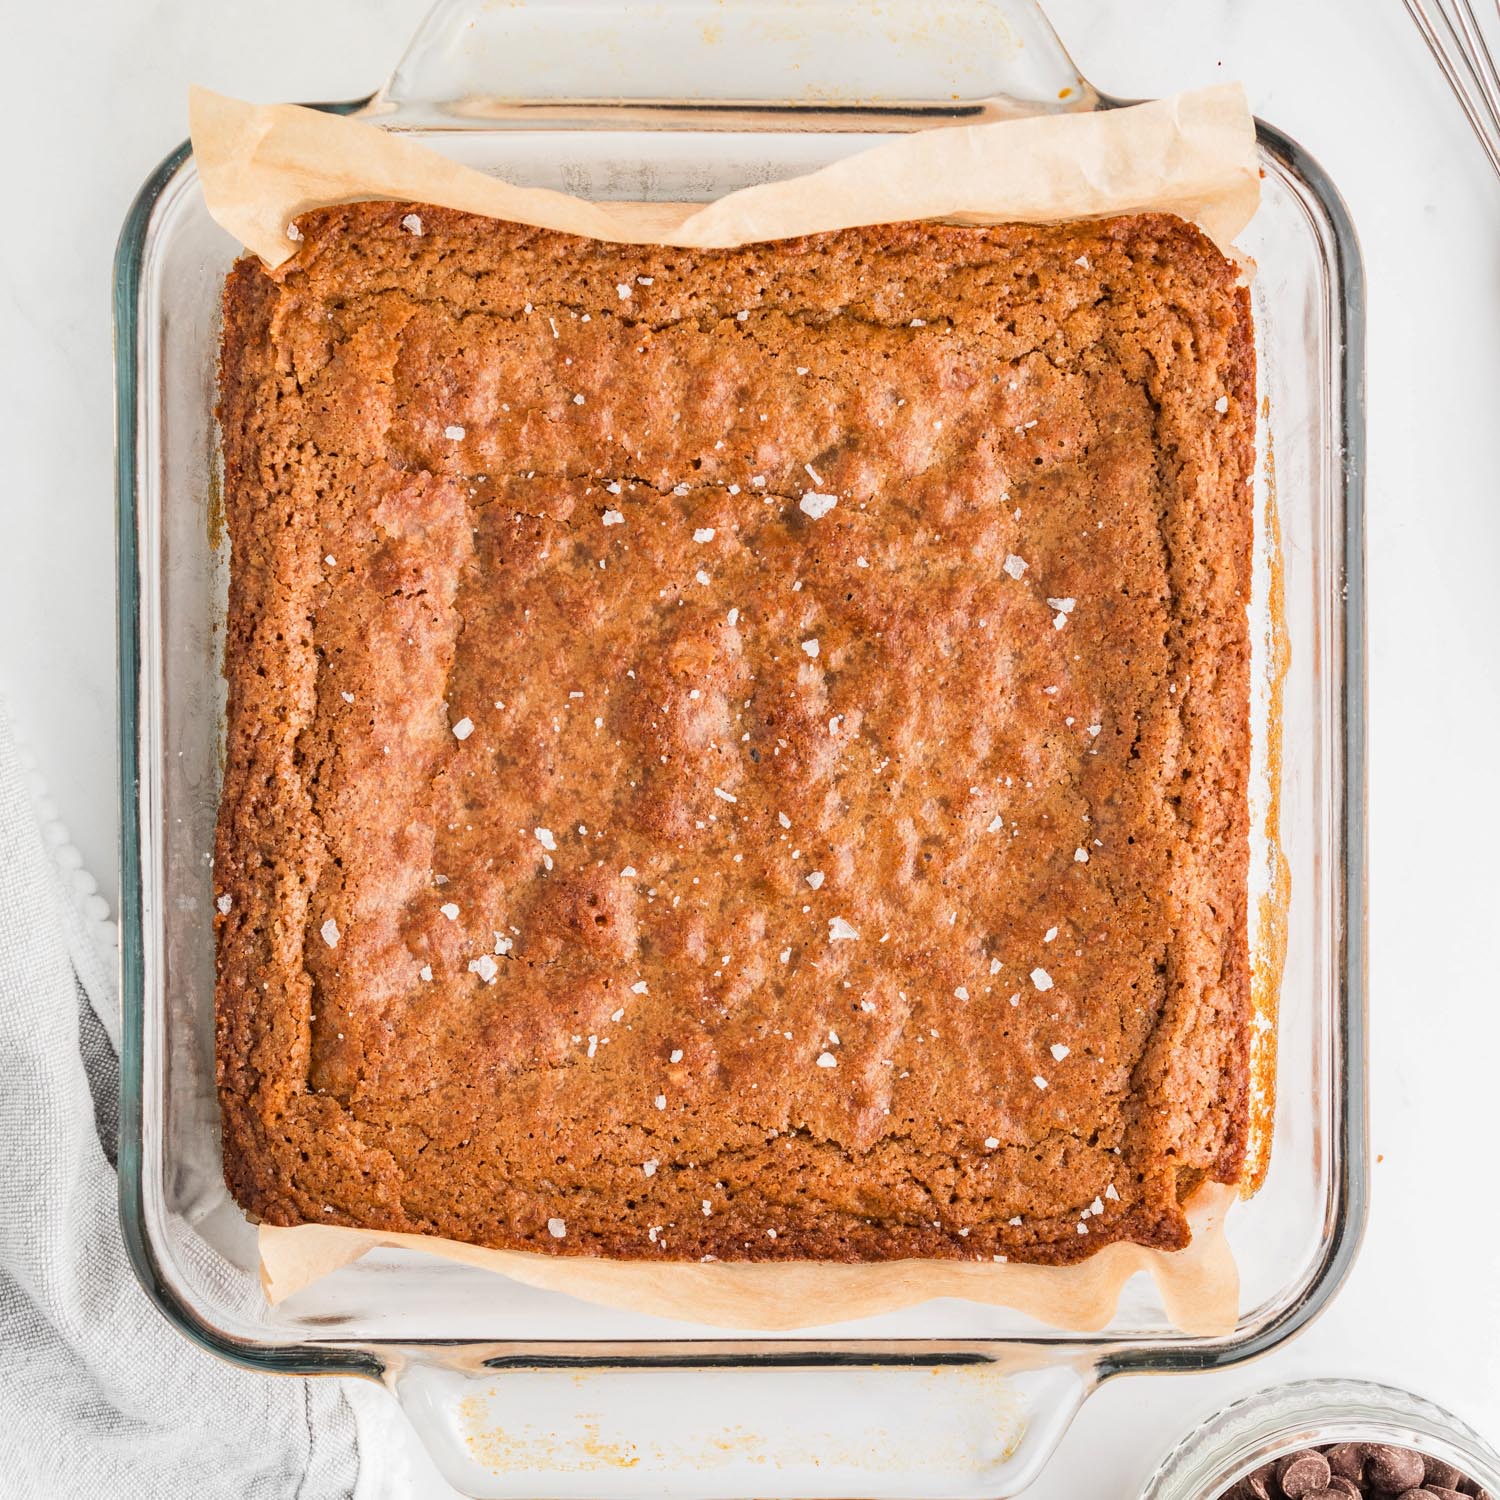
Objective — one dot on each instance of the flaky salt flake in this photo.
(1095, 730)
(1083, 261)
(330, 931)
(613, 517)
(815, 880)
(503, 944)
(292, 232)
(660, 1101)
(1064, 606)
(702, 577)
(991, 1142)
(1096, 1207)
(453, 432)
(463, 729)
(758, 480)
(724, 796)
(628, 873)
(1058, 1051)
(331, 560)
(861, 562)
(704, 534)
(827, 1060)
(811, 646)
(485, 967)
(1112, 1193)
(995, 966)
(961, 992)
(816, 505)
(676, 1056)
(623, 289)
(639, 987)
(1039, 1081)
(412, 224)
(1082, 1228)
(1080, 855)
(1050, 935)
(544, 838)
(557, 1228)
(786, 955)
(347, 697)
(649, 1167)
(1041, 979)
(785, 821)
(578, 399)
(425, 973)
(1058, 621)
(1221, 405)
(613, 487)
(450, 910)
(839, 931)
(995, 824)
(225, 903)
(1014, 565)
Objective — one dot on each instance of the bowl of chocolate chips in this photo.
(1330, 1440)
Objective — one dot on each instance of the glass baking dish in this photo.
(518, 1391)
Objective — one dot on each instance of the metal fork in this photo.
(1457, 41)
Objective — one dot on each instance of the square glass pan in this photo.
(685, 100)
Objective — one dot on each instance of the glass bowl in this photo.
(1311, 1413)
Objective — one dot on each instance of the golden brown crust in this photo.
(563, 496)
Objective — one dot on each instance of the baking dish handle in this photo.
(958, 1424)
(480, 64)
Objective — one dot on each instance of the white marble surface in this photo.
(99, 95)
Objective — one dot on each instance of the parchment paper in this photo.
(1192, 155)
(1199, 1286)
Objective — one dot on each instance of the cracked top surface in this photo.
(740, 753)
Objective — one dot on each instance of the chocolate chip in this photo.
(1302, 1473)
(1356, 1471)
(1347, 1460)
(1393, 1469)
(1258, 1486)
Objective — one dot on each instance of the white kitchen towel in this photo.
(99, 1396)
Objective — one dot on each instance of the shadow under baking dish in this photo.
(951, 1398)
